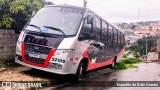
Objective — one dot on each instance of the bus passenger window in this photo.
(123, 39)
(119, 38)
(97, 29)
(104, 32)
(115, 36)
(110, 32)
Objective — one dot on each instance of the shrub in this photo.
(126, 63)
(130, 66)
(131, 60)
(120, 65)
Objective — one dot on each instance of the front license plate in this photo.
(33, 54)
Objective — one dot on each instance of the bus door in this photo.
(87, 37)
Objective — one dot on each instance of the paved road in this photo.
(144, 72)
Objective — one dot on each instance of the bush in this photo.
(130, 66)
(131, 60)
(125, 56)
(126, 63)
(120, 65)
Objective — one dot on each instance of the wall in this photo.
(7, 44)
(152, 56)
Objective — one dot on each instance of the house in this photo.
(153, 54)
(144, 33)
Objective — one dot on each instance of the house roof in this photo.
(153, 49)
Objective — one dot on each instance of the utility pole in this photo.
(146, 48)
(138, 14)
(84, 3)
(138, 18)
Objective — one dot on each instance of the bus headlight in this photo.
(19, 44)
(19, 41)
(61, 51)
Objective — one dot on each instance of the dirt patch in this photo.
(23, 73)
(15, 74)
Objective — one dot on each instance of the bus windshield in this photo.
(64, 19)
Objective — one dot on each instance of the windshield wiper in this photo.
(35, 27)
(56, 29)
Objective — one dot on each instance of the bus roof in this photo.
(64, 5)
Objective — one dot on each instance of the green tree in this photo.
(14, 14)
(139, 47)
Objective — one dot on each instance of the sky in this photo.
(116, 11)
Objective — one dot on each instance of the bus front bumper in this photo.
(43, 68)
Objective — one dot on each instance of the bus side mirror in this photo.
(90, 19)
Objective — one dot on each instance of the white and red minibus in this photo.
(67, 39)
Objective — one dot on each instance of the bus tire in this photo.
(113, 64)
(79, 73)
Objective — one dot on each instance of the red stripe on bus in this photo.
(85, 54)
(108, 62)
(100, 64)
(120, 53)
(35, 64)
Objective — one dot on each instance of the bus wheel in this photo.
(113, 64)
(79, 72)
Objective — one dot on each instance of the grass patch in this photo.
(131, 60)
(127, 63)
(119, 66)
(130, 66)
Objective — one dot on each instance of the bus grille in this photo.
(37, 49)
(35, 60)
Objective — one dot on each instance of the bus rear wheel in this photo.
(113, 64)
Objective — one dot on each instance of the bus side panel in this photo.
(81, 52)
(107, 62)
(120, 55)
(101, 64)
